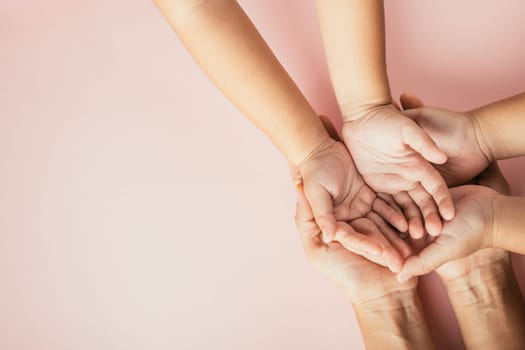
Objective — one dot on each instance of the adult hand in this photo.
(392, 153)
(457, 134)
(360, 277)
(468, 232)
(485, 259)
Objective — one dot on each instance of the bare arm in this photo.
(502, 125)
(229, 49)
(354, 39)
(509, 221)
(487, 302)
(386, 146)
(395, 321)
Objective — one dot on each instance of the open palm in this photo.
(359, 276)
(392, 153)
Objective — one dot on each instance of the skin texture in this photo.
(486, 299)
(482, 288)
(246, 71)
(391, 152)
(389, 313)
(502, 125)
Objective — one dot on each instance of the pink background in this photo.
(140, 210)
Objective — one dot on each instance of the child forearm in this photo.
(229, 49)
(502, 125)
(354, 39)
(508, 228)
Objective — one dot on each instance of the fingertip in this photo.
(403, 277)
(434, 226)
(439, 157)
(393, 259)
(415, 229)
(396, 265)
(399, 221)
(447, 209)
(328, 229)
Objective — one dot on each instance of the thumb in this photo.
(430, 258)
(356, 242)
(420, 142)
(409, 101)
(322, 206)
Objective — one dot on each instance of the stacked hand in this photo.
(392, 153)
(457, 135)
(338, 195)
(358, 276)
(358, 208)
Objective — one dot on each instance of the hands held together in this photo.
(363, 212)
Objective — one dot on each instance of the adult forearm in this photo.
(229, 49)
(489, 307)
(509, 222)
(502, 125)
(354, 38)
(395, 321)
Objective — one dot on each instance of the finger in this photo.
(420, 142)
(435, 185)
(390, 201)
(409, 101)
(389, 256)
(357, 242)
(304, 218)
(428, 209)
(430, 258)
(388, 213)
(304, 211)
(322, 206)
(392, 236)
(330, 128)
(412, 213)
(295, 174)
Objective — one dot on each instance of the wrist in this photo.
(507, 229)
(310, 138)
(394, 300)
(394, 321)
(491, 269)
(499, 203)
(356, 109)
(488, 138)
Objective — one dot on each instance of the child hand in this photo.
(392, 153)
(456, 134)
(336, 192)
(468, 232)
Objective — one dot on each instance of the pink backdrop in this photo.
(139, 210)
